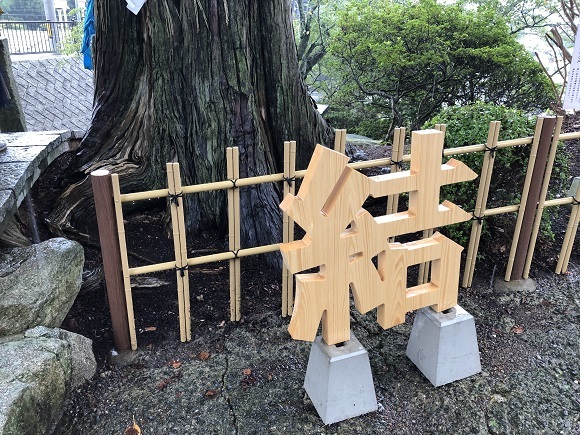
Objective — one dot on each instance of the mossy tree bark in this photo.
(181, 82)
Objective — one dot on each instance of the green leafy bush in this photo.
(469, 125)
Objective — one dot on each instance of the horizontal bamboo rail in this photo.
(273, 178)
(224, 256)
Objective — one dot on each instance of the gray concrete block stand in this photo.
(339, 380)
(443, 346)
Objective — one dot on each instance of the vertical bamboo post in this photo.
(570, 235)
(237, 261)
(424, 268)
(233, 168)
(481, 202)
(543, 196)
(183, 239)
(397, 152)
(285, 226)
(292, 173)
(124, 259)
(231, 232)
(289, 187)
(180, 248)
(109, 238)
(524, 198)
(340, 141)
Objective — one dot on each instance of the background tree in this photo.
(522, 16)
(402, 62)
(183, 81)
(560, 38)
(311, 33)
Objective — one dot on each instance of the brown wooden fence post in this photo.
(109, 238)
(533, 198)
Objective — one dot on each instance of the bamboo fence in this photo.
(176, 191)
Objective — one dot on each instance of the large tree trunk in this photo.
(183, 82)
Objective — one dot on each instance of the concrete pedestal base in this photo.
(339, 380)
(444, 346)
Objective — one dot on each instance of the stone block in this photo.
(443, 346)
(339, 380)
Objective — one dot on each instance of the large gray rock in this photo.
(38, 284)
(83, 360)
(34, 380)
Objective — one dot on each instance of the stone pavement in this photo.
(26, 155)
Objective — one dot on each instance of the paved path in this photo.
(26, 155)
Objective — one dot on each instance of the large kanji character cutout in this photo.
(342, 238)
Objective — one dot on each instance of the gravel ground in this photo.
(247, 378)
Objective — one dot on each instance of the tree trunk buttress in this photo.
(181, 83)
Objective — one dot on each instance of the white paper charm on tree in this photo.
(135, 5)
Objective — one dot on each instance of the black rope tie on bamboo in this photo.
(399, 164)
(181, 270)
(234, 181)
(574, 202)
(289, 180)
(478, 219)
(491, 150)
(235, 253)
(174, 198)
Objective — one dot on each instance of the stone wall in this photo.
(56, 92)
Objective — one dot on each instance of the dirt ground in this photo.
(246, 377)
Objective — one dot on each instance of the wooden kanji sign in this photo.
(342, 239)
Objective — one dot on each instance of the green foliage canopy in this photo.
(403, 61)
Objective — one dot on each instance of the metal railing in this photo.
(28, 37)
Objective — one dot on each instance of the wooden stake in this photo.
(481, 202)
(543, 195)
(524, 200)
(109, 238)
(570, 235)
(180, 248)
(124, 260)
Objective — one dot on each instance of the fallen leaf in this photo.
(199, 298)
(222, 324)
(150, 328)
(211, 393)
(517, 329)
(247, 372)
(204, 356)
(175, 363)
(134, 429)
(163, 383)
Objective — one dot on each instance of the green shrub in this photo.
(469, 125)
